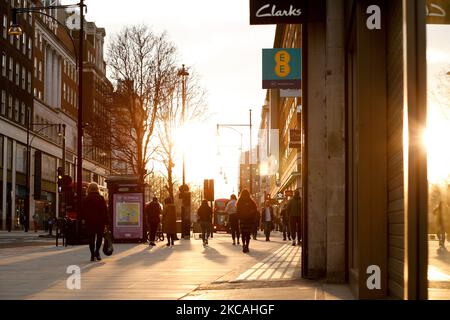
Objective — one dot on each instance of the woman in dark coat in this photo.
(95, 215)
(169, 221)
(247, 213)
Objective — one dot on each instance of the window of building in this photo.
(16, 110)
(5, 26)
(23, 79)
(3, 102)
(40, 41)
(21, 158)
(10, 68)
(3, 62)
(10, 103)
(30, 46)
(22, 113)
(9, 155)
(24, 43)
(48, 168)
(40, 71)
(29, 82)
(64, 92)
(17, 74)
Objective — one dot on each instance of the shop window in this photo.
(21, 158)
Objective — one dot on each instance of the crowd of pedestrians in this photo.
(244, 220)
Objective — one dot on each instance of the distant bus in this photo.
(220, 216)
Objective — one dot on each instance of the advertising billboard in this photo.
(128, 215)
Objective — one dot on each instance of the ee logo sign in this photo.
(282, 68)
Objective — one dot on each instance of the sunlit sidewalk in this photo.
(438, 271)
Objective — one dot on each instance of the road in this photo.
(184, 271)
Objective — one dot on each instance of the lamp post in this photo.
(250, 150)
(16, 30)
(28, 173)
(240, 167)
(184, 189)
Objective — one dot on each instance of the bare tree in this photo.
(141, 64)
(169, 118)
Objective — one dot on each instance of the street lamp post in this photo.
(16, 30)
(250, 143)
(28, 173)
(184, 189)
(240, 167)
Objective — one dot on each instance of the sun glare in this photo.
(436, 139)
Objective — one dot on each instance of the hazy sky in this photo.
(216, 39)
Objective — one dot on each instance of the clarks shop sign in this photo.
(277, 11)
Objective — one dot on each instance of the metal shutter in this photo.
(395, 149)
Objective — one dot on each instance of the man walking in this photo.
(204, 214)
(285, 227)
(295, 217)
(153, 211)
(267, 219)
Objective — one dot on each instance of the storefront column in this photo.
(5, 179)
(13, 187)
(32, 201)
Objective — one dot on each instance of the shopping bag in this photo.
(107, 243)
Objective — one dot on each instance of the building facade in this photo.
(361, 168)
(42, 66)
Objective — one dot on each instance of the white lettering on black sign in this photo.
(263, 12)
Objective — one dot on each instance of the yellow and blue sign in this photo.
(282, 68)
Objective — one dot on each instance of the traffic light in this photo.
(60, 178)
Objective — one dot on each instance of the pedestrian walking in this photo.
(169, 221)
(50, 222)
(231, 210)
(204, 214)
(267, 219)
(295, 217)
(247, 214)
(35, 221)
(95, 214)
(153, 211)
(285, 226)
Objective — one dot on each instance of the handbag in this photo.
(108, 248)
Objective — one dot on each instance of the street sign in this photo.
(295, 138)
(286, 11)
(438, 12)
(282, 68)
(277, 11)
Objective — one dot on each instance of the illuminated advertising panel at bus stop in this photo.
(127, 216)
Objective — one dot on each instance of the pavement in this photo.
(188, 271)
(438, 271)
(20, 238)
